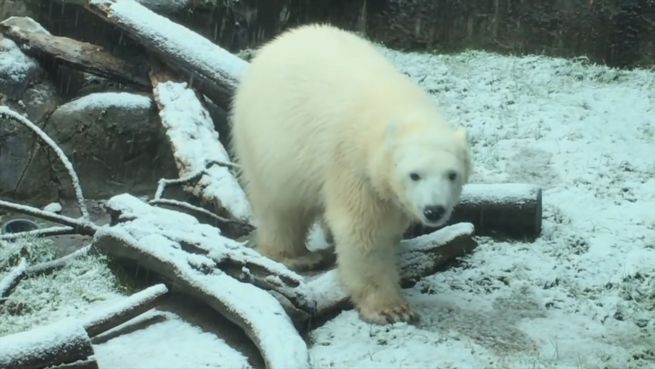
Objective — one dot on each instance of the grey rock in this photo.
(24, 87)
(115, 142)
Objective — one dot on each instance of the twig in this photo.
(7, 113)
(81, 226)
(164, 182)
(59, 263)
(44, 232)
(10, 281)
(233, 228)
(128, 308)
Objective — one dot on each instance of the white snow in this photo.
(498, 192)
(53, 207)
(13, 63)
(175, 39)
(10, 278)
(169, 344)
(195, 140)
(106, 100)
(65, 334)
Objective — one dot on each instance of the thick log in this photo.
(37, 42)
(174, 245)
(11, 280)
(64, 342)
(511, 210)
(209, 68)
(196, 146)
(130, 307)
(419, 257)
(303, 299)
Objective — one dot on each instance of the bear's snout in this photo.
(434, 213)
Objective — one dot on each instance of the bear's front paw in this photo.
(400, 312)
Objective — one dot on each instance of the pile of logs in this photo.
(164, 235)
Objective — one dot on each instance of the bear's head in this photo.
(427, 167)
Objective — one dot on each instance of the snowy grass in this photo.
(69, 292)
(583, 294)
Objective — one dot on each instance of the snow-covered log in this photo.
(213, 70)
(9, 281)
(511, 210)
(56, 345)
(37, 42)
(191, 256)
(419, 257)
(303, 299)
(113, 315)
(196, 148)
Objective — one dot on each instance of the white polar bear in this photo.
(324, 127)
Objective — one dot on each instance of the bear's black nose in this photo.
(434, 213)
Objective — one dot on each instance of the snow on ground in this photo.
(580, 296)
(583, 294)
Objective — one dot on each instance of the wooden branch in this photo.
(43, 232)
(7, 113)
(49, 266)
(165, 182)
(79, 55)
(67, 344)
(255, 311)
(232, 228)
(195, 144)
(510, 210)
(64, 342)
(81, 226)
(213, 70)
(128, 308)
(11, 280)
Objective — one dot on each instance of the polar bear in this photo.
(324, 128)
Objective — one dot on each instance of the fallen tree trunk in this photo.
(512, 210)
(308, 298)
(61, 343)
(209, 68)
(177, 247)
(66, 344)
(130, 307)
(36, 41)
(196, 146)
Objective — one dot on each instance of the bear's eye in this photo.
(414, 176)
(452, 175)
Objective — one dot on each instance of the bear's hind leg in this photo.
(281, 236)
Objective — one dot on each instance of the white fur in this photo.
(324, 126)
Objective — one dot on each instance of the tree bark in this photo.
(84, 56)
(208, 67)
(60, 343)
